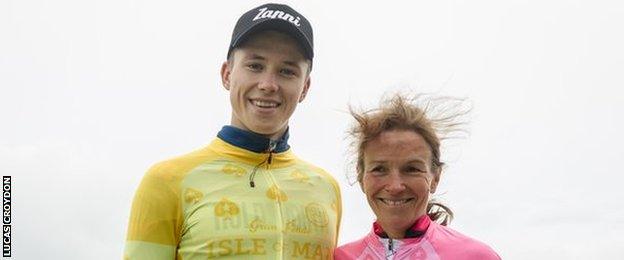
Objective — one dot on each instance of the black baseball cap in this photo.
(276, 17)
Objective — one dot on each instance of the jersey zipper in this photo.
(268, 160)
(390, 248)
(279, 207)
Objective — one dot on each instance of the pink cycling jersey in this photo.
(438, 242)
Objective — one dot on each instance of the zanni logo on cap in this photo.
(273, 14)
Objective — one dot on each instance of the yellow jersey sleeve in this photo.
(155, 218)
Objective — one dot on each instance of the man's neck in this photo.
(252, 141)
(274, 136)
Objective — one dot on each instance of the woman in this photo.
(398, 167)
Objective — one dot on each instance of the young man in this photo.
(246, 195)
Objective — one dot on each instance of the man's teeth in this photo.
(266, 104)
(395, 202)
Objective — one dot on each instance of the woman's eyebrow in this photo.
(377, 161)
(419, 161)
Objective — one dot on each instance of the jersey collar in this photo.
(417, 230)
(253, 142)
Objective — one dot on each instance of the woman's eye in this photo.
(412, 169)
(378, 170)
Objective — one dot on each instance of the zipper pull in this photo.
(272, 145)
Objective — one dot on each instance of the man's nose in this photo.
(268, 82)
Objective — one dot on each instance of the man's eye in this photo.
(288, 72)
(255, 66)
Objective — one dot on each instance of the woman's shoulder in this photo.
(355, 248)
(350, 248)
(456, 245)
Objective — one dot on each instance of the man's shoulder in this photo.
(316, 169)
(177, 167)
(321, 174)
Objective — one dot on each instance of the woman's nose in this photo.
(395, 184)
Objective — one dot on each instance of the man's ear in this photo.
(436, 180)
(306, 87)
(226, 71)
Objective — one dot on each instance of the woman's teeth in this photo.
(264, 104)
(394, 202)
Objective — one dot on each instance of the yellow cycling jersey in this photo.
(202, 206)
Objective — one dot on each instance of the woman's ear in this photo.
(436, 179)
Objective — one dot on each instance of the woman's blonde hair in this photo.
(433, 118)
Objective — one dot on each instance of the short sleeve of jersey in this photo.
(155, 218)
(338, 202)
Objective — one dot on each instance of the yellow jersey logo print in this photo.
(226, 209)
(299, 176)
(192, 196)
(316, 214)
(234, 170)
(259, 225)
(275, 193)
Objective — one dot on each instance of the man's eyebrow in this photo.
(291, 63)
(254, 56)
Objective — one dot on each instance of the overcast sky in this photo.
(93, 92)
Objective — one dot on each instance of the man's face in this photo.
(267, 77)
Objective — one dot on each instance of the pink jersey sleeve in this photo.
(350, 250)
(450, 244)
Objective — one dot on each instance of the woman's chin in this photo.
(396, 222)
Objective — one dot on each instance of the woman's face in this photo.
(398, 179)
